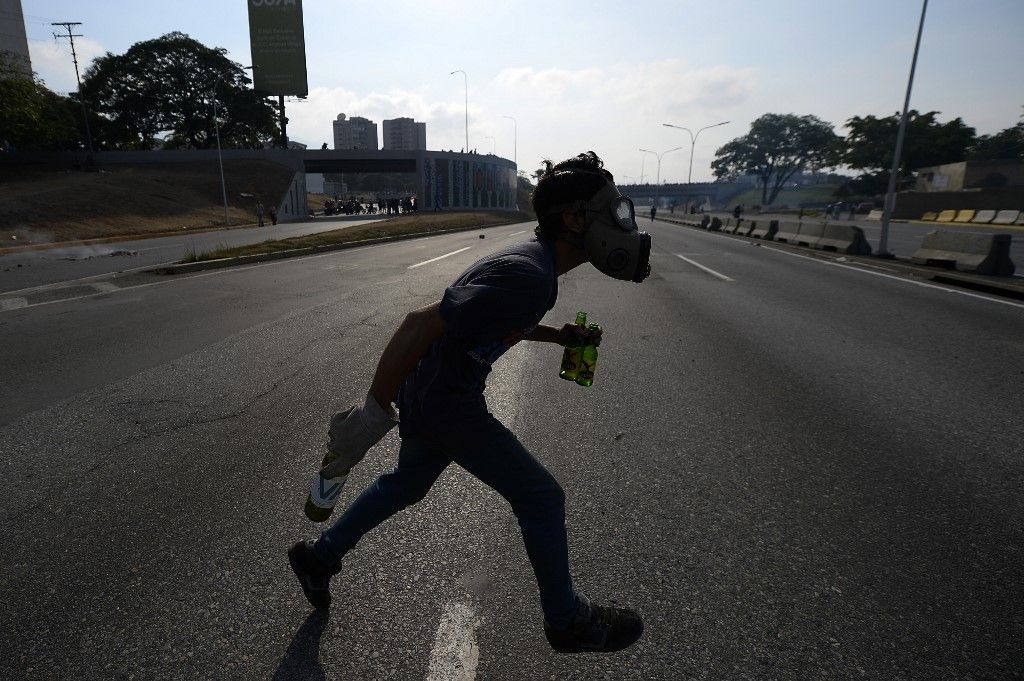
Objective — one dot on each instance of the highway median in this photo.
(396, 229)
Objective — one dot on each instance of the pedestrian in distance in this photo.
(737, 211)
(259, 213)
(435, 367)
(654, 211)
(273, 215)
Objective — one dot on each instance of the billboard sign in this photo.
(278, 45)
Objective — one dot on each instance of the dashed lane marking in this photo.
(440, 257)
(455, 654)
(702, 267)
(523, 231)
(12, 304)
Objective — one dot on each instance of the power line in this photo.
(74, 57)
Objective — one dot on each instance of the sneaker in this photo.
(596, 629)
(314, 576)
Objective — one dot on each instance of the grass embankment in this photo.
(404, 225)
(42, 205)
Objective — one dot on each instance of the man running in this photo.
(434, 368)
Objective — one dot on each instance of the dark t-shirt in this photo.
(487, 310)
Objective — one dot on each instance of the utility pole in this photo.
(74, 57)
(283, 120)
(890, 193)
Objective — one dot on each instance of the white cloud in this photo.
(560, 112)
(51, 60)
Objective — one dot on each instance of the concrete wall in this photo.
(12, 35)
(912, 205)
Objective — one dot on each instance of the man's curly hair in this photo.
(575, 179)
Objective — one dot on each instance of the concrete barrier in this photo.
(1006, 217)
(745, 228)
(787, 232)
(966, 251)
(874, 215)
(929, 216)
(965, 215)
(810, 234)
(765, 231)
(847, 239)
(946, 216)
(715, 225)
(705, 221)
(1020, 219)
(983, 217)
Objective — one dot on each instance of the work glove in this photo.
(353, 432)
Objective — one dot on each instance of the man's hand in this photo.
(353, 432)
(571, 335)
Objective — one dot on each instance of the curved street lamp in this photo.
(658, 156)
(465, 81)
(693, 142)
(515, 141)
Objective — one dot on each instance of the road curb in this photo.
(309, 250)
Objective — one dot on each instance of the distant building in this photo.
(355, 133)
(970, 175)
(13, 41)
(297, 146)
(404, 134)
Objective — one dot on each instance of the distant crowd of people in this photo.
(354, 206)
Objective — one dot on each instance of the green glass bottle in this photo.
(571, 355)
(588, 362)
(324, 493)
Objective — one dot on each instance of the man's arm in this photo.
(418, 331)
(569, 334)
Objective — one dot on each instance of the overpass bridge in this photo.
(445, 180)
(716, 193)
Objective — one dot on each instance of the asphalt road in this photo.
(905, 237)
(793, 468)
(29, 269)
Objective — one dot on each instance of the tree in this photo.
(871, 142)
(777, 146)
(1006, 144)
(168, 84)
(31, 116)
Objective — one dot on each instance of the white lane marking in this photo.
(706, 269)
(517, 233)
(12, 304)
(105, 287)
(455, 654)
(67, 282)
(440, 257)
(890, 276)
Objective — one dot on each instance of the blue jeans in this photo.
(492, 453)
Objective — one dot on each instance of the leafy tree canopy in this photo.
(31, 116)
(169, 84)
(777, 146)
(927, 142)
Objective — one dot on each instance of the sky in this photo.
(595, 75)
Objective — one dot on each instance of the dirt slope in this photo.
(46, 205)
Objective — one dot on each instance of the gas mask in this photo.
(611, 239)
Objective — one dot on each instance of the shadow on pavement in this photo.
(302, 659)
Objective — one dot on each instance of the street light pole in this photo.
(658, 156)
(220, 159)
(515, 140)
(693, 142)
(643, 160)
(890, 194)
(465, 81)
